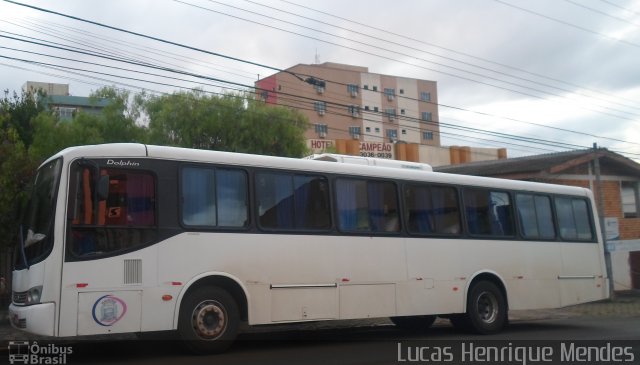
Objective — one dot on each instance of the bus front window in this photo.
(36, 239)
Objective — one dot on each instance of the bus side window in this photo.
(125, 219)
(433, 210)
(367, 205)
(573, 219)
(488, 212)
(291, 201)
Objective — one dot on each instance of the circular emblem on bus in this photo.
(108, 310)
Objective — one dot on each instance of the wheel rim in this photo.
(209, 320)
(487, 305)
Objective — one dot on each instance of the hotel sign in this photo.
(367, 149)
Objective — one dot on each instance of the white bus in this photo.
(124, 238)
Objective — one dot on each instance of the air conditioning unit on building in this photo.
(354, 93)
(320, 112)
(355, 135)
(322, 134)
(320, 89)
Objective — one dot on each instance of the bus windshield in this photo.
(35, 241)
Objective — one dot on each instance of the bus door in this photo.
(111, 216)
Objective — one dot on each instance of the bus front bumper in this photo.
(37, 318)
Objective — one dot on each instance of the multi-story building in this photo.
(61, 103)
(346, 102)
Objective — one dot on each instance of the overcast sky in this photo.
(558, 71)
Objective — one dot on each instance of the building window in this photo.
(354, 110)
(320, 107)
(366, 107)
(354, 132)
(402, 111)
(404, 131)
(375, 109)
(65, 113)
(392, 133)
(367, 129)
(389, 93)
(629, 195)
(377, 130)
(390, 112)
(319, 86)
(425, 96)
(428, 135)
(426, 116)
(375, 88)
(352, 89)
(366, 87)
(401, 91)
(322, 129)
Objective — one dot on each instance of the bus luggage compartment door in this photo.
(109, 312)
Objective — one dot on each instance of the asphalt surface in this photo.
(360, 341)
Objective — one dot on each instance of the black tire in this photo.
(208, 321)
(486, 309)
(460, 322)
(413, 323)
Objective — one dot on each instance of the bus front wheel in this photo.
(486, 309)
(209, 320)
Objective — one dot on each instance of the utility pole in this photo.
(603, 229)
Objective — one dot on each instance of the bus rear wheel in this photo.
(486, 309)
(413, 323)
(208, 321)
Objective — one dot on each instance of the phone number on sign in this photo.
(376, 154)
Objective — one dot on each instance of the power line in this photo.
(601, 12)
(555, 144)
(565, 23)
(416, 58)
(273, 68)
(620, 7)
(501, 135)
(352, 21)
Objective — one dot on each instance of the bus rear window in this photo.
(535, 216)
(573, 219)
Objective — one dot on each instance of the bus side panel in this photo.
(273, 267)
(582, 277)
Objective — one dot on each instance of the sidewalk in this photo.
(624, 304)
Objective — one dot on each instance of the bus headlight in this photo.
(33, 295)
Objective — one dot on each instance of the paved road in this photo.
(364, 345)
(369, 341)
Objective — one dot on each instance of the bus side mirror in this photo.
(103, 187)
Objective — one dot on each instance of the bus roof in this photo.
(391, 169)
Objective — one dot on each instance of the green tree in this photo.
(16, 167)
(231, 122)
